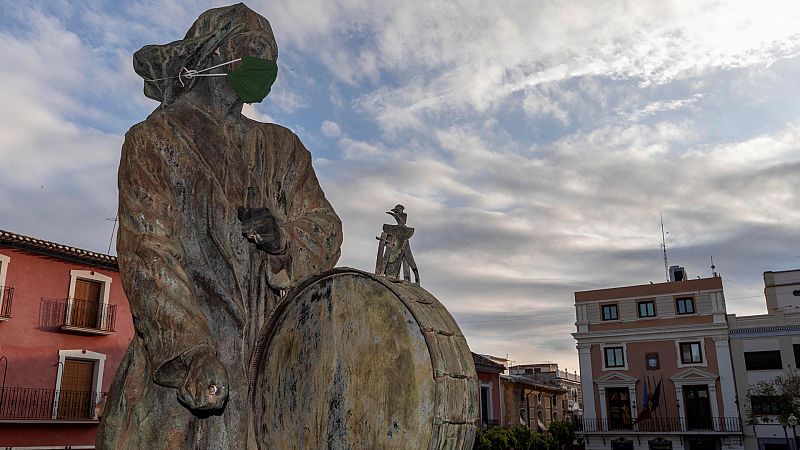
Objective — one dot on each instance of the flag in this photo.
(645, 412)
(656, 395)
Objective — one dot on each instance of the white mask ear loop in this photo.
(191, 73)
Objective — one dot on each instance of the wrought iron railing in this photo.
(76, 313)
(6, 296)
(661, 425)
(47, 404)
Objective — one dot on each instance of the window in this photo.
(762, 405)
(486, 405)
(87, 307)
(619, 408)
(796, 348)
(610, 312)
(78, 384)
(6, 292)
(647, 309)
(684, 305)
(691, 353)
(767, 360)
(615, 357)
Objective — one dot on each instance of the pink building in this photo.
(490, 394)
(65, 325)
(656, 367)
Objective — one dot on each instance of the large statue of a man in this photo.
(218, 214)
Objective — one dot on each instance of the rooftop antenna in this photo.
(664, 246)
(113, 230)
(713, 267)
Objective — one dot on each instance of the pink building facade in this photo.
(65, 325)
(656, 368)
(490, 394)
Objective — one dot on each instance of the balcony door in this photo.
(698, 407)
(619, 408)
(86, 304)
(75, 396)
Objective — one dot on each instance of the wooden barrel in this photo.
(350, 360)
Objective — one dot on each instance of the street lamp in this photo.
(792, 421)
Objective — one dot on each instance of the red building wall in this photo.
(494, 380)
(33, 350)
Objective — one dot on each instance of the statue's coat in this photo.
(193, 281)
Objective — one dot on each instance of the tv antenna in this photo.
(664, 246)
(713, 267)
(114, 219)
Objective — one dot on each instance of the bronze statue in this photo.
(218, 215)
(394, 250)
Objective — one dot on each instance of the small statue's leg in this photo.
(380, 264)
(409, 258)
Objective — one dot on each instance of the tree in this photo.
(785, 393)
(564, 433)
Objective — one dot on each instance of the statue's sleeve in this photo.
(313, 231)
(151, 256)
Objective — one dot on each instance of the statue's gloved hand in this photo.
(260, 227)
(205, 386)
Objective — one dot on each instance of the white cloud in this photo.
(533, 144)
(330, 128)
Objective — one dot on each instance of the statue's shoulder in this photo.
(273, 129)
(279, 137)
(161, 124)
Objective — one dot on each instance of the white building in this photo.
(764, 347)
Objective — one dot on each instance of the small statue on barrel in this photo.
(394, 250)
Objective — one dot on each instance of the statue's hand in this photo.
(205, 386)
(260, 227)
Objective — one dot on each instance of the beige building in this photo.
(656, 367)
(550, 374)
(764, 347)
(527, 402)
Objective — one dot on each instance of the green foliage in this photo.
(518, 437)
(787, 388)
(564, 433)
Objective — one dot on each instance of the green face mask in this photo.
(253, 80)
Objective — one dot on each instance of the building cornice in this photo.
(652, 334)
(650, 290)
(786, 330)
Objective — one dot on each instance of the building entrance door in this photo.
(698, 407)
(75, 396)
(619, 408)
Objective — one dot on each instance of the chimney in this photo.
(677, 273)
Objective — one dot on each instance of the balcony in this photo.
(30, 405)
(6, 296)
(714, 425)
(78, 316)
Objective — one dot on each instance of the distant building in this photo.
(65, 325)
(549, 373)
(528, 402)
(765, 347)
(490, 394)
(656, 367)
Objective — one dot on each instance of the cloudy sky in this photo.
(534, 144)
